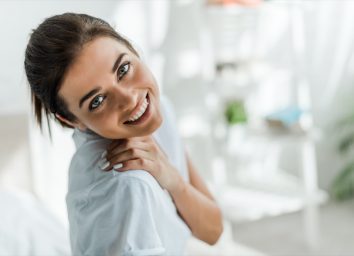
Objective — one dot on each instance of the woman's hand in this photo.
(196, 207)
(142, 153)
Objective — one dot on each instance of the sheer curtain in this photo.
(330, 70)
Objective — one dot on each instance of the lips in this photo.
(139, 112)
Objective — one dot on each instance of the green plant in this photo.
(235, 112)
(343, 184)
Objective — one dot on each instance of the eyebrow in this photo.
(88, 95)
(118, 61)
(97, 89)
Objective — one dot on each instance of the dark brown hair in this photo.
(51, 49)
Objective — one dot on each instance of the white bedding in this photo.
(28, 228)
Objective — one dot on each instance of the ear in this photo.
(78, 125)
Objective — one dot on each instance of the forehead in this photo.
(90, 68)
(97, 53)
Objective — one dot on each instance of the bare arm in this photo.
(197, 207)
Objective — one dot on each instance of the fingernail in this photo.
(104, 165)
(117, 166)
(104, 154)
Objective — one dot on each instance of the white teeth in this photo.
(140, 112)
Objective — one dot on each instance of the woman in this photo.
(132, 189)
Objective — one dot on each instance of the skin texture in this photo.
(93, 68)
(132, 146)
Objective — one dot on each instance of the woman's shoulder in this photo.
(136, 178)
(123, 182)
(118, 188)
(85, 172)
(132, 202)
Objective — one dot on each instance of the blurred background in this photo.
(263, 92)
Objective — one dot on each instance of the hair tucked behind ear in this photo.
(51, 49)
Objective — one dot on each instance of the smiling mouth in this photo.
(142, 113)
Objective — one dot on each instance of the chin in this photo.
(153, 127)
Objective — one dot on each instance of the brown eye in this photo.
(96, 102)
(122, 70)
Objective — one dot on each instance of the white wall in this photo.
(17, 18)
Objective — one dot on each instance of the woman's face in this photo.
(111, 91)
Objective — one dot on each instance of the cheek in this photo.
(101, 123)
(144, 76)
(109, 119)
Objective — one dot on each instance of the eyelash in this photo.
(103, 97)
(120, 76)
(98, 97)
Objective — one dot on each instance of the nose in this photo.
(125, 98)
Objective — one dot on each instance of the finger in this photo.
(132, 153)
(114, 144)
(155, 143)
(125, 146)
(136, 164)
(146, 138)
(154, 146)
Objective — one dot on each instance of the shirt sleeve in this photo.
(121, 218)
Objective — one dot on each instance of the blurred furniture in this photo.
(250, 160)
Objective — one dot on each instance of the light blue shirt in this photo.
(127, 213)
